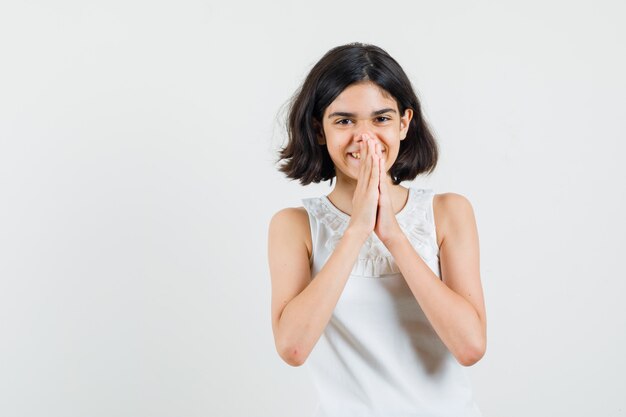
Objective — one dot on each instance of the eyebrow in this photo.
(374, 113)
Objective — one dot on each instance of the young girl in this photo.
(376, 286)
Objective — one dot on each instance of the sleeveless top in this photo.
(379, 355)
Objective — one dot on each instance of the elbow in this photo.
(289, 348)
(472, 355)
(294, 361)
(292, 355)
(469, 360)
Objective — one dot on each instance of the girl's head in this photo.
(356, 89)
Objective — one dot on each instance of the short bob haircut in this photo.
(308, 161)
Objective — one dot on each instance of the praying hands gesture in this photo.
(371, 202)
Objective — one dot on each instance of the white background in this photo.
(137, 142)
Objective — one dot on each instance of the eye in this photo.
(343, 121)
(382, 119)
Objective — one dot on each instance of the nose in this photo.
(362, 135)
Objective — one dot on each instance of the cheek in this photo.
(336, 144)
(336, 155)
(334, 150)
(392, 157)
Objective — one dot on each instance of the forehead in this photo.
(362, 97)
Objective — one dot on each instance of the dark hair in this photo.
(342, 66)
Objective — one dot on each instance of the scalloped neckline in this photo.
(347, 217)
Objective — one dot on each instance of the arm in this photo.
(302, 307)
(454, 306)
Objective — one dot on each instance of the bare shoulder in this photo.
(452, 211)
(291, 223)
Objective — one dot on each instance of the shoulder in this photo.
(291, 223)
(290, 219)
(452, 202)
(452, 212)
(289, 216)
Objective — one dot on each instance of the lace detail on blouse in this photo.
(374, 259)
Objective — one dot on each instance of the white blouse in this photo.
(379, 355)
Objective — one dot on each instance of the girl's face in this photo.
(362, 108)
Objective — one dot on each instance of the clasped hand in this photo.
(372, 209)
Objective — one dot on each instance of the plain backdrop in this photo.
(137, 181)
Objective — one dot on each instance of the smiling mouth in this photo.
(357, 155)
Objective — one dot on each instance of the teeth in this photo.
(356, 155)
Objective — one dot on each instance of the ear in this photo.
(405, 122)
(319, 132)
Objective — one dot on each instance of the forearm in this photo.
(453, 318)
(303, 320)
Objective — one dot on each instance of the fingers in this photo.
(373, 160)
(383, 170)
(367, 159)
(368, 180)
(363, 174)
(382, 174)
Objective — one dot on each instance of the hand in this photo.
(366, 194)
(387, 226)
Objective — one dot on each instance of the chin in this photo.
(346, 175)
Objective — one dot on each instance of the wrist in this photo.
(357, 233)
(394, 239)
